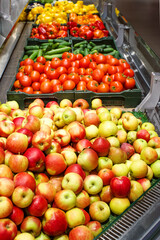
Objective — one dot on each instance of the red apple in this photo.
(6, 128)
(76, 130)
(18, 122)
(36, 159)
(65, 199)
(65, 103)
(2, 155)
(95, 227)
(87, 216)
(146, 184)
(31, 224)
(54, 148)
(5, 171)
(57, 182)
(101, 146)
(22, 196)
(120, 186)
(47, 190)
(17, 215)
(82, 144)
(128, 148)
(18, 163)
(3, 142)
(6, 186)
(83, 199)
(88, 159)
(106, 175)
(8, 229)
(41, 140)
(62, 137)
(17, 142)
(28, 133)
(25, 179)
(76, 168)
(32, 123)
(41, 177)
(55, 163)
(81, 233)
(6, 207)
(154, 142)
(38, 206)
(143, 134)
(106, 194)
(91, 118)
(50, 103)
(82, 103)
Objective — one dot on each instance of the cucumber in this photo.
(59, 50)
(31, 47)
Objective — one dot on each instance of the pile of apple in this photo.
(64, 168)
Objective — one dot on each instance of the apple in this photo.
(65, 199)
(93, 184)
(153, 134)
(18, 122)
(101, 146)
(158, 152)
(6, 128)
(8, 229)
(68, 116)
(106, 194)
(54, 148)
(43, 236)
(2, 155)
(17, 215)
(107, 129)
(32, 123)
(5, 171)
(148, 126)
(57, 182)
(24, 236)
(72, 181)
(136, 191)
(79, 113)
(120, 186)
(82, 144)
(154, 142)
(91, 132)
(104, 116)
(149, 173)
(38, 206)
(76, 131)
(76, 168)
(39, 102)
(17, 142)
(128, 148)
(51, 103)
(40, 177)
(131, 136)
(3, 142)
(22, 196)
(47, 190)
(81, 233)
(6, 186)
(146, 184)
(55, 163)
(95, 227)
(116, 111)
(91, 118)
(81, 103)
(37, 111)
(88, 159)
(96, 103)
(58, 120)
(104, 162)
(113, 118)
(25, 179)
(61, 237)
(122, 136)
(119, 205)
(138, 169)
(121, 169)
(6, 206)
(32, 225)
(87, 216)
(36, 159)
(47, 121)
(94, 198)
(135, 156)
(75, 217)
(106, 175)
(139, 144)
(18, 163)
(82, 200)
(28, 133)
(99, 211)
(4, 107)
(54, 222)
(156, 168)
(69, 148)
(117, 155)
(130, 122)
(17, 113)
(62, 137)
(143, 134)
(114, 142)
(41, 140)
(149, 155)
(65, 103)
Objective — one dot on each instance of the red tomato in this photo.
(128, 72)
(21, 63)
(28, 69)
(120, 77)
(35, 76)
(42, 77)
(69, 85)
(17, 84)
(116, 86)
(55, 82)
(63, 78)
(130, 83)
(66, 63)
(46, 68)
(69, 56)
(75, 64)
(121, 61)
(78, 56)
(48, 63)
(61, 70)
(28, 61)
(28, 90)
(57, 88)
(103, 88)
(36, 86)
(46, 87)
(55, 63)
(87, 78)
(92, 86)
(112, 70)
(82, 83)
(19, 74)
(93, 65)
(103, 67)
(113, 61)
(38, 67)
(119, 69)
(25, 81)
(74, 77)
(100, 58)
(108, 57)
(107, 79)
(37, 92)
(41, 59)
(81, 71)
(125, 65)
(84, 62)
(81, 88)
(72, 70)
(89, 71)
(52, 74)
(97, 75)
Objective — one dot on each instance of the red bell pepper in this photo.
(93, 27)
(41, 30)
(106, 32)
(71, 25)
(100, 25)
(74, 31)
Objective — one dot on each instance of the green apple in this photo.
(107, 129)
(75, 217)
(120, 169)
(104, 116)
(43, 236)
(135, 156)
(149, 173)
(99, 211)
(114, 142)
(68, 116)
(96, 103)
(119, 205)
(138, 169)
(156, 168)
(91, 132)
(72, 181)
(131, 136)
(139, 144)
(65, 199)
(130, 123)
(116, 111)
(95, 227)
(94, 198)
(104, 162)
(61, 237)
(136, 191)
(148, 126)
(93, 184)
(153, 134)
(158, 152)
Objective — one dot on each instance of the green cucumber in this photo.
(80, 43)
(33, 55)
(59, 50)
(106, 50)
(49, 57)
(31, 47)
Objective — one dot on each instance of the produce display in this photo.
(94, 72)
(66, 169)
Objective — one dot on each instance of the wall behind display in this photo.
(144, 16)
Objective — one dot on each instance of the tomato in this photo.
(63, 77)
(89, 71)
(48, 63)
(128, 72)
(78, 56)
(121, 61)
(28, 69)
(69, 85)
(108, 57)
(52, 74)
(37, 92)
(107, 79)
(98, 74)
(103, 67)
(119, 69)
(130, 83)
(28, 61)
(90, 56)
(81, 77)
(35, 76)
(125, 65)
(21, 63)
(98, 33)
(36, 86)
(68, 55)
(55, 63)
(55, 82)
(19, 74)
(92, 85)
(25, 81)
(84, 62)
(42, 77)
(38, 67)
(75, 64)
(41, 59)
(81, 71)
(28, 90)
(93, 65)
(17, 84)
(46, 87)
(87, 78)
(120, 77)
(74, 77)
(46, 69)
(103, 88)
(61, 70)
(21, 69)
(112, 69)
(72, 70)
(57, 88)
(66, 63)
(116, 86)
(82, 83)
(113, 61)
(100, 58)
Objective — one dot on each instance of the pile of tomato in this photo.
(84, 19)
(97, 73)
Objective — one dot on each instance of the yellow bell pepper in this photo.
(48, 5)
